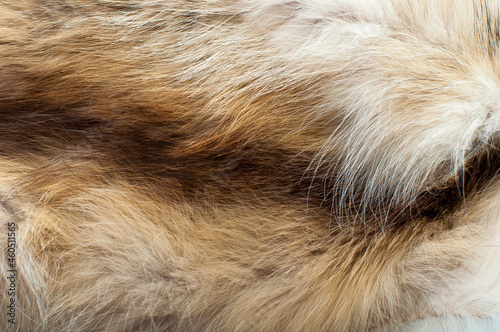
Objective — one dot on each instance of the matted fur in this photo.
(251, 165)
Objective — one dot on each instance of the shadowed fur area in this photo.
(249, 165)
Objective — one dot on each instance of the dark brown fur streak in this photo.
(480, 170)
(237, 165)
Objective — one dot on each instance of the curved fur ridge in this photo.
(236, 165)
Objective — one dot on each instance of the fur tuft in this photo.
(237, 165)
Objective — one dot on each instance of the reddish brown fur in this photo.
(164, 177)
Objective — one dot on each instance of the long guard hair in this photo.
(249, 165)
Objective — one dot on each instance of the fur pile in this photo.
(250, 165)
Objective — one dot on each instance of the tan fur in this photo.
(237, 165)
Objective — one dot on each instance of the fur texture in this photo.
(250, 165)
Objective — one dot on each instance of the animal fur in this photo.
(250, 165)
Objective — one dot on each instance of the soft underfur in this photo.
(250, 165)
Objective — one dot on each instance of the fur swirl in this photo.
(250, 165)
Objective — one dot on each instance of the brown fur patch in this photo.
(187, 165)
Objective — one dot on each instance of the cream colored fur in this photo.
(238, 165)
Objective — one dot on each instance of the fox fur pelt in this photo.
(249, 165)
